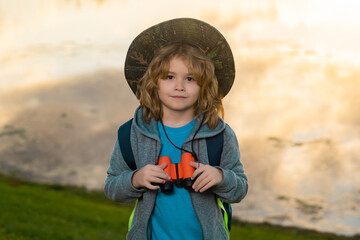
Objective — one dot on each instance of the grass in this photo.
(50, 211)
(11, 132)
(35, 211)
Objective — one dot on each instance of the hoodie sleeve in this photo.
(234, 186)
(118, 185)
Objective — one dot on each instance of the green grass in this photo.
(34, 211)
(11, 132)
(49, 211)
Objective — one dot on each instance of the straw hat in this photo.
(184, 30)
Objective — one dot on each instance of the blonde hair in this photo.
(209, 102)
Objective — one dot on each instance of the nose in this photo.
(179, 85)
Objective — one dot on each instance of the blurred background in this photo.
(294, 105)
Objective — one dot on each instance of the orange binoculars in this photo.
(180, 173)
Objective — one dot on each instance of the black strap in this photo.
(214, 148)
(125, 145)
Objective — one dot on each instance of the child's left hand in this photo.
(208, 176)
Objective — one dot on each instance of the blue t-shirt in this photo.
(173, 216)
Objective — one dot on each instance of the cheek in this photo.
(160, 94)
(163, 86)
(196, 91)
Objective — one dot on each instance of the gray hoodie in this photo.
(146, 146)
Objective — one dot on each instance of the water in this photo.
(293, 106)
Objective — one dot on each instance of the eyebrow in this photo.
(189, 74)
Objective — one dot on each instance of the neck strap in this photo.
(192, 141)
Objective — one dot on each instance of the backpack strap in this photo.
(214, 148)
(125, 145)
(225, 207)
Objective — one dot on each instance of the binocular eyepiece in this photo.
(180, 173)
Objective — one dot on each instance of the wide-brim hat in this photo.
(181, 30)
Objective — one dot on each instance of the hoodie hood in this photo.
(151, 130)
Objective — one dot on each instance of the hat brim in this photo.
(184, 30)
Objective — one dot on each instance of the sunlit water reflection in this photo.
(293, 106)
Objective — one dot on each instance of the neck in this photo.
(176, 120)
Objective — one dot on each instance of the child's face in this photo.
(179, 92)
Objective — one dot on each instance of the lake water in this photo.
(294, 105)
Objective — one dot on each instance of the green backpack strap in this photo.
(226, 216)
(132, 215)
(214, 148)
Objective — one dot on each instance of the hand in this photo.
(207, 176)
(150, 174)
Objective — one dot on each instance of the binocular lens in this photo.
(167, 187)
(188, 183)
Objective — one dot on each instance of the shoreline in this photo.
(97, 195)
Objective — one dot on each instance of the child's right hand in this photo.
(150, 174)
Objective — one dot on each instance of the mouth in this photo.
(178, 97)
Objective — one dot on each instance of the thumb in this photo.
(163, 165)
(195, 164)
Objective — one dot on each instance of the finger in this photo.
(196, 174)
(207, 186)
(153, 183)
(156, 180)
(200, 181)
(198, 171)
(156, 168)
(163, 165)
(151, 187)
(196, 164)
(162, 176)
(158, 172)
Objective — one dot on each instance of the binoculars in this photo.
(180, 173)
